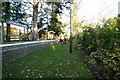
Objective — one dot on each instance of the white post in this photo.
(1, 41)
(1, 32)
(1, 26)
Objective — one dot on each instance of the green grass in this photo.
(54, 61)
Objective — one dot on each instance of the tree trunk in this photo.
(8, 33)
(35, 17)
(8, 24)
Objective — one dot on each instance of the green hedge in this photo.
(102, 46)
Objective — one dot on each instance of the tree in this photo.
(56, 8)
(6, 18)
(35, 18)
(11, 12)
(76, 25)
(55, 22)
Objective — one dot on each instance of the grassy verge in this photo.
(54, 61)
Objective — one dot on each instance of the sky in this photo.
(95, 10)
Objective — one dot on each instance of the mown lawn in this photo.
(54, 61)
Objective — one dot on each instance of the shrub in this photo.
(102, 45)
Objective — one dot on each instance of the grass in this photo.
(54, 61)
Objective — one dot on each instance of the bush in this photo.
(102, 45)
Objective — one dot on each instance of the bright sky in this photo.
(94, 10)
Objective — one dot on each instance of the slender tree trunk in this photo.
(8, 25)
(8, 33)
(35, 18)
(27, 29)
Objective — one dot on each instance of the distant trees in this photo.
(52, 23)
(55, 23)
(11, 12)
(14, 12)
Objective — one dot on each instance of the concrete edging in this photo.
(11, 52)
